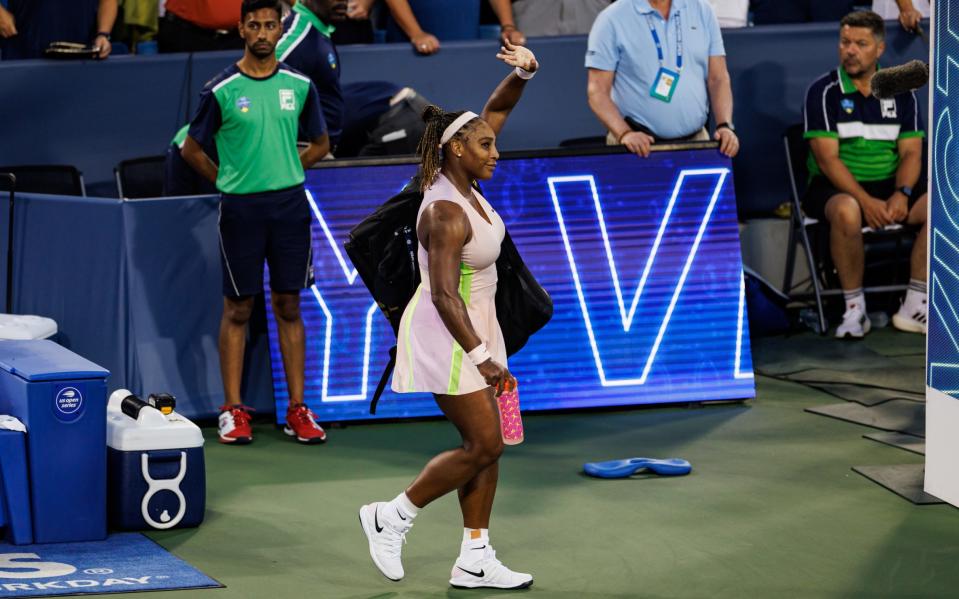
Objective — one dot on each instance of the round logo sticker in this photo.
(68, 403)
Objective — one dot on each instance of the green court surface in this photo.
(771, 509)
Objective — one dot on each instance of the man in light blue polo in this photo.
(655, 69)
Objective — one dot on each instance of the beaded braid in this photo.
(431, 159)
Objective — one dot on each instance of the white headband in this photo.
(456, 125)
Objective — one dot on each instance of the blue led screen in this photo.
(641, 258)
(942, 371)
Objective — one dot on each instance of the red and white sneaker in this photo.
(301, 423)
(233, 425)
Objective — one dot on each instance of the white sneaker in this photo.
(911, 319)
(486, 572)
(855, 323)
(386, 535)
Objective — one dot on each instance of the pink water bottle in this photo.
(510, 419)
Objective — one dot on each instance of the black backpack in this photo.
(383, 250)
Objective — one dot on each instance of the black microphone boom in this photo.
(890, 82)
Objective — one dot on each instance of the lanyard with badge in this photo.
(664, 85)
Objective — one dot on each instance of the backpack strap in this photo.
(383, 378)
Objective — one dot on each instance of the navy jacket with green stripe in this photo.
(867, 128)
(306, 46)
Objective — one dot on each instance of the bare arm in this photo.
(909, 17)
(106, 17)
(721, 101)
(910, 167)
(910, 161)
(8, 25)
(194, 155)
(507, 94)
(599, 93)
(720, 90)
(359, 10)
(444, 229)
(503, 9)
(826, 152)
(423, 42)
(315, 152)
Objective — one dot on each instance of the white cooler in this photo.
(156, 476)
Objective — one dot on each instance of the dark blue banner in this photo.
(641, 258)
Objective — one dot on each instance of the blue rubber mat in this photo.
(630, 466)
(123, 563)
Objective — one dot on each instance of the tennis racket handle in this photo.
(510, 419)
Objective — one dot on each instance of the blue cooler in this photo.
(61, 398)
(156, 473)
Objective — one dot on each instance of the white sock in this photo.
(855, 297)
(915, 295)
(468, 535)
(470, 549)
(404, 507)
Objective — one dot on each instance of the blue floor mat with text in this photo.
(123, 563)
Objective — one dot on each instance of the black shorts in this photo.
(272, 226)
(820, 190)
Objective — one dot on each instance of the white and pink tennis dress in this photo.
(428, 359)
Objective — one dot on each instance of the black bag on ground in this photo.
(383, 250)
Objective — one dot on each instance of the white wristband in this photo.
(479, 354)
(524, 74)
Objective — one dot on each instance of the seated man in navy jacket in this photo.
(865, 167)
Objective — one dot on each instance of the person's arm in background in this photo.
(910, 167)
(315, 151)
(602, 60)
(423, 42)
(194, 155)
(202, 132)
(313, 125)
(507, 94)
(909, 146)
(508, 31)
(106, 17)
(599, 89)
(359, 10)
(8, 25)
(909, 17)
(721, 101)
(720, 87)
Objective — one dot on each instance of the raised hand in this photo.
(518, 56)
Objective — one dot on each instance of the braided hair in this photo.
(431, 157)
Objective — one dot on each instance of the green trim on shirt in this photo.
(314, 20)
(814, 134)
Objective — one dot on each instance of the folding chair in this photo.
(823, 277)
(54, 179)
(140, 177)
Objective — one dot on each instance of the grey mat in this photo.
(867, 396)
(773, 356)
(895, 415)
(897, 378)
(904, 480)
(900, 441)
(890, 342)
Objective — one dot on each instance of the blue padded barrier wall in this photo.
(135, 287)
(95, 114)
